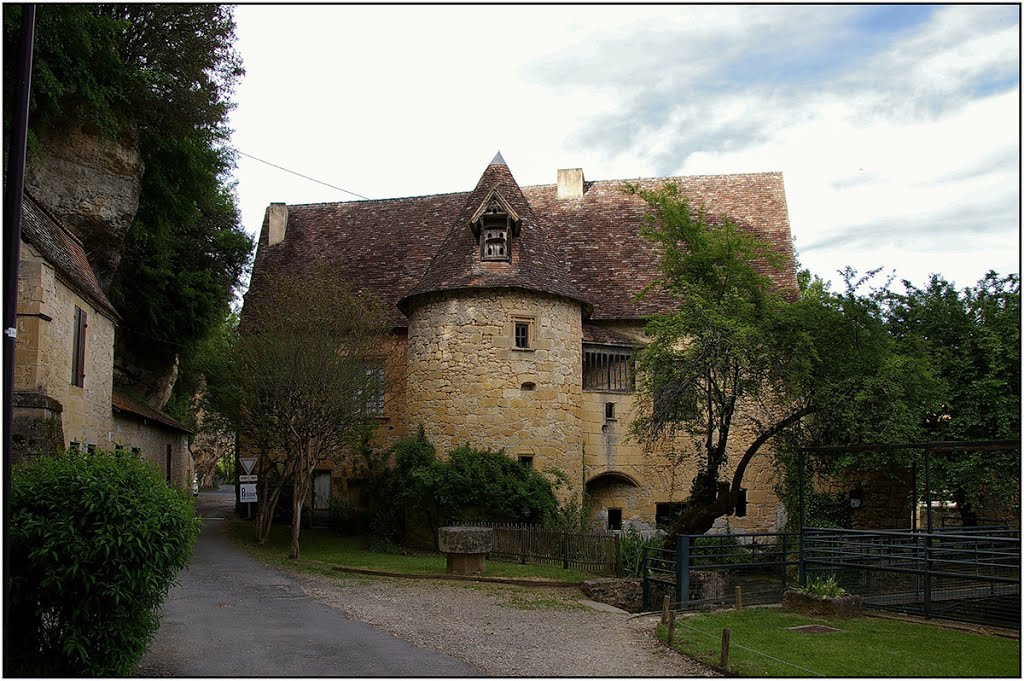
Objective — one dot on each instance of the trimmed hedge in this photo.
(95, 542)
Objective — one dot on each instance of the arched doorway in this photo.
(613, 494)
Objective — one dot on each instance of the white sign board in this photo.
(247, 494)
(248, 465)
(247, 478)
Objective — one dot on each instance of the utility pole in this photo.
(13, 191)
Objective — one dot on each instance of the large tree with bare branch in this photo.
(739, 347)
(310, 360)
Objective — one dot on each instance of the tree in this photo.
(161, 77)
(972, 337)
(739, 346)
(310, 366)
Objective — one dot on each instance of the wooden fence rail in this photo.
(596, 552)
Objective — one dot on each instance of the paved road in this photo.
(233, 616)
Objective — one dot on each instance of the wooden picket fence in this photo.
(596, 552)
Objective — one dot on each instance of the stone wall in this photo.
(665, 473)
(154, 440)
(468, 383)
(46, 317)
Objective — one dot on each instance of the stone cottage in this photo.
(64, 394)
(515, 315)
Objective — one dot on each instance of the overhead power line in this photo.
(306, 177)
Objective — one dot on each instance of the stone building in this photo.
(64, 360)
(515, 315)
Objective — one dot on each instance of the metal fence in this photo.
(964, 574)
(596, 552)
(971, 576)
(711, 567)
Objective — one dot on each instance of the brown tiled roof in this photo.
(64, 251)
(533, 265)
(123, 403)
(598, 334)
(601, 245)
(589, 248)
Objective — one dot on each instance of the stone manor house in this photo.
(64, 395)
(515, 317)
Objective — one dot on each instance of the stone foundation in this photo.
(36, 427)
(821, 606)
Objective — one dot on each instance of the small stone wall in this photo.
(36, 427)
(821, 606)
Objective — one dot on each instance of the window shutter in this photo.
(79, 362)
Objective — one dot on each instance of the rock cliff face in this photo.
(92, 184)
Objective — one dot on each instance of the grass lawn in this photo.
(865, 646)
(324, 546)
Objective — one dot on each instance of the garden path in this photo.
(505, 630)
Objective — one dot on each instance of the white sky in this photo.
(897, 129)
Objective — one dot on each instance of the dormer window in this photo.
(495, 223)
(495, 230)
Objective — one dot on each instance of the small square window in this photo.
(526, 461)
(614, 518)
(523, 335)
(609, 411)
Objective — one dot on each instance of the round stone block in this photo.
(465, 539)
(465, 548)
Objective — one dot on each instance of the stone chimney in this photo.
(570, 183)
(278, 222)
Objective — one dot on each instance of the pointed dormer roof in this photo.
(532, 263)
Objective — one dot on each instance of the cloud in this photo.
(677, 78)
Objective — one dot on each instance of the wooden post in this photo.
(565, 550)
(739, 598)
(664, 610)
(671, 626)
(725, 649)
(618, 558)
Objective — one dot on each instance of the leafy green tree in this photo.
(160, 76)
(737, 346)
(972, 337)
(310, 360)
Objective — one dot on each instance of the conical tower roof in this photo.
(532, 263)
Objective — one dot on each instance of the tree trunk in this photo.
(698, 513)
(265, 514)
(300, 490)
(968, 514)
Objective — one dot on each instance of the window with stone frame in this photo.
(608, 368)
(522, 333)
(370, 397)
(78, 347)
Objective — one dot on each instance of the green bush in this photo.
(485, 486)
(95, 542)
(410, 491)
(632, 543)
(824, 586)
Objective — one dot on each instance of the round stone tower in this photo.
(494, 350)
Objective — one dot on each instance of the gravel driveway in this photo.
(505, 630)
